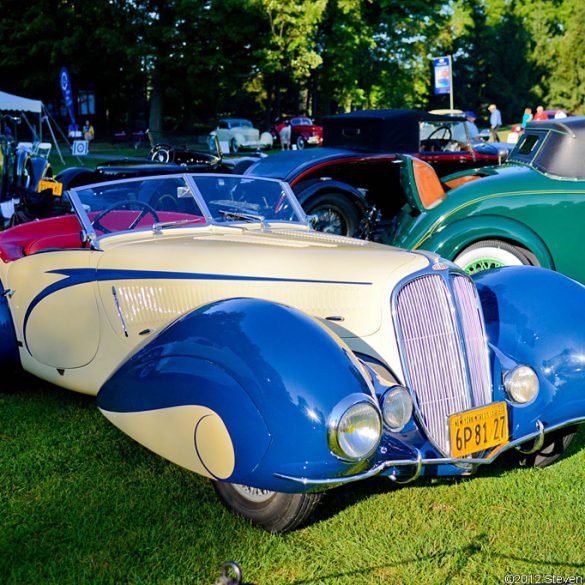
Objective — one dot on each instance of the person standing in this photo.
(526, 117)
(88, 131)
(495, 122)
(540, 114)
(472, 129)
(285, 135)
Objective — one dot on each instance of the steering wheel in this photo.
(164, 153)
(146, 209)
(447, 134)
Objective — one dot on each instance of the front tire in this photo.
(555, 444)
(234, 146)
(334, 214)
(488, 254)
(300, 143)
(274, 511)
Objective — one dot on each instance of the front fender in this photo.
(535, 317)
(319, 187)
(238, 390)
(449, 240)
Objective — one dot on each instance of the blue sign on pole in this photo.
(67, 91)
(442, 69)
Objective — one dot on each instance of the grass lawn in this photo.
(82, 503)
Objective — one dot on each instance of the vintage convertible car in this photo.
(354, 178)
(221, 332)
(527, 211)
(239, 133)
(304, 132)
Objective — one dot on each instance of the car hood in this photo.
(324, 276)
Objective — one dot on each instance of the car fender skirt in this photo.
(238, 390)
(535, 317)
(456, 236)
(9, 356)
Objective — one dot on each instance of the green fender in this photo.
(450, 240)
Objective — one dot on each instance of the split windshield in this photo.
(173, 201)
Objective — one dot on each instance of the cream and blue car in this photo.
(218, 330)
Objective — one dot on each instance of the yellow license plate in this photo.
(478, 429)
(55, 186)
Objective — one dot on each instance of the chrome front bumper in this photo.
(418, 462)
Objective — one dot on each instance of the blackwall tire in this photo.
(488, 254)
(275, 511)
(335, 214)
(300, 143)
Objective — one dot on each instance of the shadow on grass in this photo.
(134, 501)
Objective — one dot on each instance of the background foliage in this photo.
(176, 64)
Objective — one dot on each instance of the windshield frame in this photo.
(90, 235)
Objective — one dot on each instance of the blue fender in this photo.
(536, 317)
(9, 355)
(319, 187)
(269, 372)
(450, 240)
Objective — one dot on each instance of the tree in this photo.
(567, 85)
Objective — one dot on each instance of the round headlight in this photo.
(521, 384)
(356, 433)
(397, 408)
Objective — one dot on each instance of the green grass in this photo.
(82, 503)
(102, 150)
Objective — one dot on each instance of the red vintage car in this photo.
(303, 131)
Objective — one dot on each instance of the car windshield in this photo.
(443, 135)
(181, 200)
(301, 122)
(240, 124)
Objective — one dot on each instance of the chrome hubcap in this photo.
(253, 494)
(329, 221)
(483, 264)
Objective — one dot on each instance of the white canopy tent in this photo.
(15, 103)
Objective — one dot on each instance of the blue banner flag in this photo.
(442, 69)
(67, 91)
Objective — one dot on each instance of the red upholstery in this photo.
(15, 240)
(61, 232)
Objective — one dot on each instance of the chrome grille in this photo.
(443, 350)
(475, 340)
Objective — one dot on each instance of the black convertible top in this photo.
(379, 130)
(555, 147)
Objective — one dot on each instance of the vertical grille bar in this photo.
(440, 366)
(475, 340)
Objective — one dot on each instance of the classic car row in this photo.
(217, 329)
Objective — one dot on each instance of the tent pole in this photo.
(48, 117)
(34, 132)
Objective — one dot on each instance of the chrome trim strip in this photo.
(119, 309)
(441, 461)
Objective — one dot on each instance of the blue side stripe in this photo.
(77, 276)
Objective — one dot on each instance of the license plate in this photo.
(55, 186)
(478, 429)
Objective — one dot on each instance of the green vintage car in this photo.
(528, 211)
